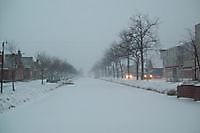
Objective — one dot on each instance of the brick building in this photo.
(179, 61)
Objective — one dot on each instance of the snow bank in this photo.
(157, 85)
(24, 92)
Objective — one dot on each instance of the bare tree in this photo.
(134, 41)
(131, 50)
(54, 67)
(127, 47)
(136, 59)
(44, 63)
(120, 54)
(144, 33)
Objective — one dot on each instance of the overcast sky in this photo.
(81, 30)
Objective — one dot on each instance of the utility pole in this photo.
(2, 72)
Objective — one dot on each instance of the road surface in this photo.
(96, 106)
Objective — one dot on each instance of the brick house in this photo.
(36, 72)
(28, 67)
(19, 67)
(12, 66)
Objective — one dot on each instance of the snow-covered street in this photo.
(96, 106)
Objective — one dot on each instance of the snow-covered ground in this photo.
(25, 91)
(158, 85)
(96, 106)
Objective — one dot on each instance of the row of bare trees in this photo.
(49, 66)
(53, 67)
(134, 42)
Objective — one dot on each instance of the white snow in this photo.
(159, 85)
(25, 91)
(96, 106)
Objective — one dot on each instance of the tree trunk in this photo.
(196, 60)
(120, 64)
(105, 72)
(142, 65)
(128, 65)
(117, 70)
(113, 70)
(195, 69)
(42, 76)
(142, 58)
(137, 68)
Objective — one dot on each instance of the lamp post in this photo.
(2, 71)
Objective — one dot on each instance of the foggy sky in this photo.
(81, 30)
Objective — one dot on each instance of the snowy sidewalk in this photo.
(24, 92)
(157, 85)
